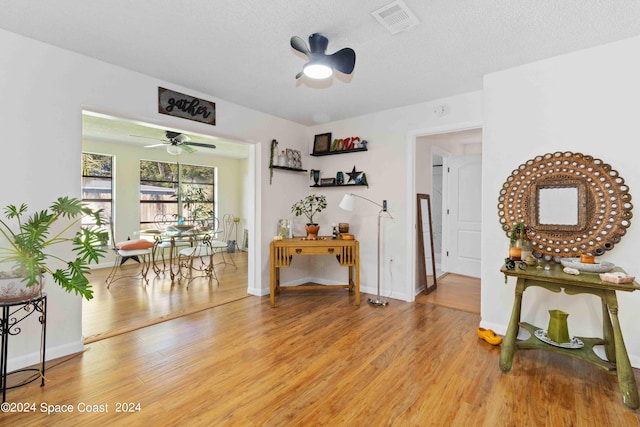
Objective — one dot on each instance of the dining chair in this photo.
(225, 243)
(197, 260)
(139, 250)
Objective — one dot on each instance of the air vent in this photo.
(396, 17)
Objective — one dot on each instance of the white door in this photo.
(463, 210)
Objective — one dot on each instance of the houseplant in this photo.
(309, 206)
(26, 252)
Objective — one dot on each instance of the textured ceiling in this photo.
(239, 50)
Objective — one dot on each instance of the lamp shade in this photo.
(347, 202)
(174, 150)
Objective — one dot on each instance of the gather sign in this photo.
(178, 104)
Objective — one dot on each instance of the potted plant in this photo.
(309, 206)
(26, 255)
(517, 242)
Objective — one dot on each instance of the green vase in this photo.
(558, 330)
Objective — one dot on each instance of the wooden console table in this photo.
(556, 280)
(282, 251)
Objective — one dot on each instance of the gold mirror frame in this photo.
(603, 208)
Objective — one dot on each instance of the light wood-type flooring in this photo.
(318, 360)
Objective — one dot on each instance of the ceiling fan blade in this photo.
(344, 60)
(299, 75)
(198, 144)
(298, 44)
(186, 148)
(148, 137)
(154, 145)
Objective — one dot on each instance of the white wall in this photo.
(585, 102)
(45, 90)
(389, 165)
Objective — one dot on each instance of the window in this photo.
(172, 192)
(97, 184)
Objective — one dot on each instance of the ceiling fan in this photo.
(322, 65)
(176, 142)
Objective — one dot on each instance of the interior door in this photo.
(464, 203)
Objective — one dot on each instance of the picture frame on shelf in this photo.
(327, 181)
(322, 143)
(294, 159)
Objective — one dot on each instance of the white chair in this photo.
(225, 243)
(139, 249)
(203, 253)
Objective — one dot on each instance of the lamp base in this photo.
(378, 302)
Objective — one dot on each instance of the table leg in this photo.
(626, 379)
(357, 268)
(272, 278)
(509, 342)
(607, 333)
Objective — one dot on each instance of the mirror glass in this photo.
(426, 261)
(558, 206)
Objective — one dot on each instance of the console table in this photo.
(556, 280)
(347, 252)
(14, 312)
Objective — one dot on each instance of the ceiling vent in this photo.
(396, 17)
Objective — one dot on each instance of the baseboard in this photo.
(51, 353)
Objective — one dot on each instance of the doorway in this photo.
(130, 142)
(437, 151)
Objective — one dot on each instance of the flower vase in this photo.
(558, 330)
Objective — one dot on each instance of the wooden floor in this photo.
(316, 360)
(456, 291)
(128, 304)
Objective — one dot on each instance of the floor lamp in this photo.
(347, 204)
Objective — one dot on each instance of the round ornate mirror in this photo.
(570, 204)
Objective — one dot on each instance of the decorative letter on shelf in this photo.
(185, 106)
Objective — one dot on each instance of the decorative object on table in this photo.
(616, 277)
(343, 227)
(339, 178)
(574, 343)
(353, 175)
(347, 236)
(598, 267)
(309, 206)
(489, 336)
(274, 145)
(347, 204)
(561, 196)
(570, 270)
(558, 329)
(587, 259)
(25, 259)
(315, 174)
(517, 242)
(321, 65)
(334, 233)
(284, 229)
(322, 143)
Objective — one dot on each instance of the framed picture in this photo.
(322, 143)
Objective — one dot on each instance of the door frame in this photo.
(411, 238)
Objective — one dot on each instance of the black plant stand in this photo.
(13, 313)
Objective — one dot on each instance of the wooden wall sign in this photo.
(184, 106)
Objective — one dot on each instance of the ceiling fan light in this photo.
(317, 71)
(174, 150)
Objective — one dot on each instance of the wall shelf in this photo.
(286, 168)
(339, 185)
(329, 153)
